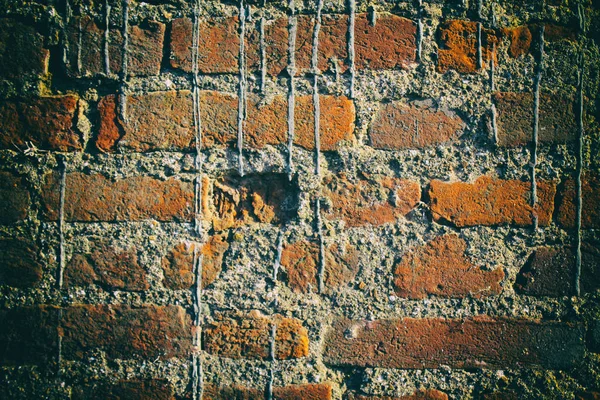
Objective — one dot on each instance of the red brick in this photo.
(106, 267)
(149, 332)
(249, 336)
(178, 264)
(515, 118)
(19, 263)
(156, 389)
(551, 271)
(22, 51)
(233, 201)
(489, 201)
(28, 335)
(309, 391)
(442, 268)
(47, 123)
(458, 46)
(479, 342)
(521, 38)
(413, 125)
(389, 44)
(14, 198)
(155, 121)
(145, 49)
(430, 394)
(590, 212)
(300, 262)
(265, 125)
(371, 200)
(97, 198)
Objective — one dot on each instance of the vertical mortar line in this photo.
(479, 29)
(106, 37)
(79, 42)
(197, 370)
(351, 50)
(581, 132)
(263, 50)
(61, 220)
(292, 26)
(276, 266)
(372, 16)
(317, 123)
(67, 18)
(419, 30)
(536, 106)
(125, 34)
(492, 68)
(242, 88)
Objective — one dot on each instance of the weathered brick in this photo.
(390, 43)
(430, 394)
(47, 123)
(124, 332)
(249, 336)
(233, 201)
(155, 121)
(106, 267)
(370, 200)
(178, 264)
(522, 37)
(551, 271)
(479, 342)
(85, 57)
(156, 389)
(514, 119)
(22, 51)
(264, 125)
(414, 125)
(97, 198)
(458, 46)
(28, 335)
(489, 201)
(300, 262)
(311, 391)
(19, 263)
(442, 268)
(14, 198)
(590, 200)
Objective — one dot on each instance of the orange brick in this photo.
(458, 46)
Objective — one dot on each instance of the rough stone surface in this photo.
(22, 50)
(19, 263)
(489, 201)
(442, 268)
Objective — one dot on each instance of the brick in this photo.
(19, 263)
(479, 342)
(430, 394)
(265, 126)
(514, 119)
(97, 198)
(522, 37)
(489, 201)
(47, 123)
(14, 198)
(145, 48)
(22, 51)
(157, 389)
(590, 200)
(107, 267)
(28, 335)
(233, 201)
(249, 336)
(442, 268)
(155, 121)
(300, 261)
(309, 391)
(123, 332)
(370, 200)
(178, 264)
(389, 44)
(414, 125)
(458, 46)
(551, 271)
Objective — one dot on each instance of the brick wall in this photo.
(299, 200)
